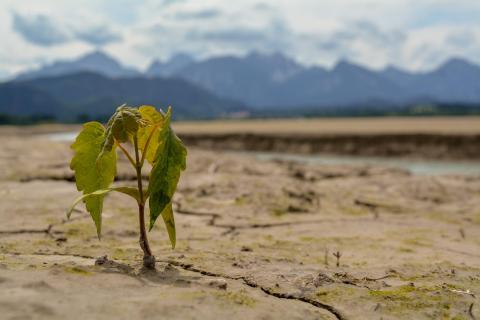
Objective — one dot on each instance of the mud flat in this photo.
(424, 146)
(256, 239)
(421, 137)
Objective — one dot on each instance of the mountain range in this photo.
(91, 95)
(93, 84)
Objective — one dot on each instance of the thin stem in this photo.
(148, 260)
(126, 154)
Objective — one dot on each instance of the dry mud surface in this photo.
(256, 240)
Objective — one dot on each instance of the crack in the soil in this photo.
(213, 216)
(470, 254)
(48, 230)
(189, 267)
(57, 254)
(232, 227)
(470, 312)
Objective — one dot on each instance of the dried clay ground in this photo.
(256, 240)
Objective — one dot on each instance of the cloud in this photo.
(233, 36)
(218, 37)
(167, 3)
(416, 35)
(39, 30)
(363, 31)
(98, 36)
(201, 14)
(43, 30)
(464, 39)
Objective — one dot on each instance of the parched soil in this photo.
(255, 240)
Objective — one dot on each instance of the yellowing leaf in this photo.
(170, 160)
(123, 124)
(150, 132)
(169, 221)
(92, 171)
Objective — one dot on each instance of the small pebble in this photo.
(218, 283)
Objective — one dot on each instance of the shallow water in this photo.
(61, 136)
(416, 166)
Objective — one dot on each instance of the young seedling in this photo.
(326, 256)
(337, 255)
(95, 159)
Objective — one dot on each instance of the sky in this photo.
(416, 35)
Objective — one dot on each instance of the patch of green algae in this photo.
(77, 271)
(238, 297)
(335, 293)
(408, 299)
(476, 218)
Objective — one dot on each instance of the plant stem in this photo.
(126, 154)
(148, 259)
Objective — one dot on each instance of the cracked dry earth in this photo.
(256, 240)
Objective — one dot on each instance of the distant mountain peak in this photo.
(395, 71)
(275, 56)
(392, 68)
(97, 56)
(181, 56)
(176, 62)
(347, 66)
(457, 63)
(96, 61)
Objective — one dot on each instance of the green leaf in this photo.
(123, 124)
(132, 192)
(149, 133)
(170, 160)
(84, 197)
(93, 171)
(168, 219)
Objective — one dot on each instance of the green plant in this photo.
(152, 139)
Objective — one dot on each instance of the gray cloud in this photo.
(374, 34)
(202, 14)
(43, 31)
(167, 3)
(367, 32)
(201, 41)
(276, 36)
(461, 40)
(262, 6)
(39, 29)
(98, 36)
(341, 44)
(239, 36)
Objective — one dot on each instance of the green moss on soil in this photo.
(411, 299)
(77, 271)
(238, 297)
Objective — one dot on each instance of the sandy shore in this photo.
(256, 239)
